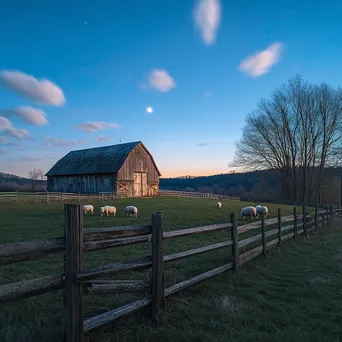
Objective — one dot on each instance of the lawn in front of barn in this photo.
(33, 319)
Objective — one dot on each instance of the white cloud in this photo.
(28, 114)
(7, 127)
(207, 16)
(102, 138)
(96, 126)
(203, 144)
(41, 91)
(53, 142)
(160, 80)
(261, 63)
(5, 124)
(19, 133)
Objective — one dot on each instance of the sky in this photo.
(181, 76)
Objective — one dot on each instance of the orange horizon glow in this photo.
(173, 174)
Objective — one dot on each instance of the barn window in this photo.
(106, 181)
(140, 164)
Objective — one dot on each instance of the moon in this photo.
(149, 110)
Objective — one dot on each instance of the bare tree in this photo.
(36, 175)
(298, 132)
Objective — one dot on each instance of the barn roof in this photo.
(105, 159)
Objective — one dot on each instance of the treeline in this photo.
(10, 182)
(259, 185)
(21, 184)
(298, 132)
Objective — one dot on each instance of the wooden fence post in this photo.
(17, 196)
(61, 196)
(304, 220)
(235, 239)
(316, 218)
(47, 196)
(158, 299)
(263, 237)
(73, 230)
(279, 226)
(338, 209)
(327, 212)
(295, 223)
(101, 196)
(322, 222)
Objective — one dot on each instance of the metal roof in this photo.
(105, 159)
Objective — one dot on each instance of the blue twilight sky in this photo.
(74, 73)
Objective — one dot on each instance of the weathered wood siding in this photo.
(129, 177)
(132, 164)
(88, 184)
(138, 169)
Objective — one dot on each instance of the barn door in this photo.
(144, 184)
(137, 185)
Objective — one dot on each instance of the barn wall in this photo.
(86, 184)
(131, 165)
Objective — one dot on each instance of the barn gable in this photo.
(149, 165)
(98, 160)
(127, 169)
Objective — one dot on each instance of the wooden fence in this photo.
(196, 195)
(46, 196)
(77, 281)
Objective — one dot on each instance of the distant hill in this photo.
(4, 175)
(235, 184)
(260, 185)
(10, 182)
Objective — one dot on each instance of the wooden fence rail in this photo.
(48, 196)
(78, 282)
(193, 194)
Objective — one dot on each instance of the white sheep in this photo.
(131, 210)
(261, 209)
(108, 209)
(88, 208)
(248, 211)
(219, 205)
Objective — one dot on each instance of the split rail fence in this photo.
(46, 196)
(193, 194)
(77, 281)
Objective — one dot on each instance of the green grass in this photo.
(292, 296)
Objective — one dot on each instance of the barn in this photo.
(126, 169)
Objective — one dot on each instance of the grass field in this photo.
(298, 287)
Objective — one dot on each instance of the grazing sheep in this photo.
(88, 208)
(248, 211)
(131, 210)
(261, 209)
(219, 205)
(108, 209)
